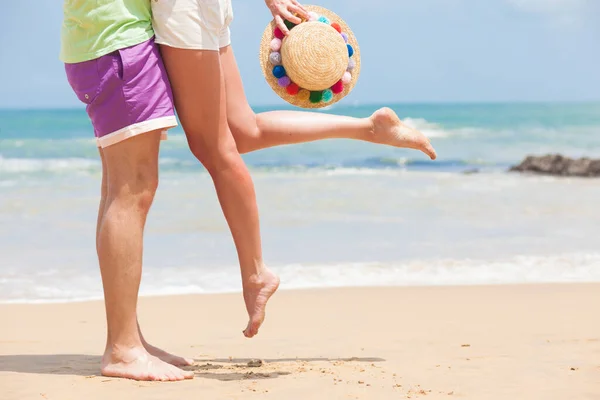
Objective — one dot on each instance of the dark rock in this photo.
(558, 165)
(255, 363)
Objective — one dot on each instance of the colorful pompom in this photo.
(327, 95)
(313, 16)
(290, 25)
(338, 87)
(279, 71)
(275, 58)
(292, 89)
(350, 50)
(303, 95)
(337, 27)
(316, 97)
(278, 33)
(275, 44)
(345, 36)
(284, 81)
(347, 78)
(351, 64)
(324, 20)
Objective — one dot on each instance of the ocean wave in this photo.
(436, 130)
(568, 268)
(367, 165)
(16, 165)
(28, 165)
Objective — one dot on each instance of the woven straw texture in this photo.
(307, 42)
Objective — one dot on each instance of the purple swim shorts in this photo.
(126, 92)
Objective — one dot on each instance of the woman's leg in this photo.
(199, 90)
(259, 131)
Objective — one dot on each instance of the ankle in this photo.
(254, 275)
(124, 353)
(370, 128)
(124, 343)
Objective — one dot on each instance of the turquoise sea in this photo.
(334, 213)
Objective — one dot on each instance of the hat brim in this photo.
(300, 99)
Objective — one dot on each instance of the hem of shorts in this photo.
(191, 47)
(107, 50)
(163, 136)
(162, 123)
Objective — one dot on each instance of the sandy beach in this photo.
(485, 342)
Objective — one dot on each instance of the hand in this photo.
(286, 9)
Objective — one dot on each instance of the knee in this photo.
(136, 190)
(217, 158)
(245, 132)
(147, 186)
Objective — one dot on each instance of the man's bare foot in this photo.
(136, 363)
(256, 295)
(389, 130)
(168, 357)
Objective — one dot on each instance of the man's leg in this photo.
(131, 173)
(258, 131)
(199, 90)
(155, 351)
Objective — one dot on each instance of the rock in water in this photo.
(558, 165)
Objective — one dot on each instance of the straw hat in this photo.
(316, 65)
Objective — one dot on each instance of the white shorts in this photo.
(192, 24)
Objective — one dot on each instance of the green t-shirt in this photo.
(93, 28)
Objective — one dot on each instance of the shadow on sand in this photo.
(217, 368)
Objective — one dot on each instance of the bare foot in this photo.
(136, 363)
(168, 357)
(256, 294)
(389, 130)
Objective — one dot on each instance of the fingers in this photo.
(301, 10)
(293, 11)
(285, 13)
(281, 25)
(298, 10)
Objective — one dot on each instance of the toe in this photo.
(152, 376)
(188, 374)
(188, 361)
(182, 362)
(429, 150)
(173, 376)
(180, 374)
(249, 331)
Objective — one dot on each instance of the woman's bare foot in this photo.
(136, 363)
(257, 292)
(168, 357)
(389, 130)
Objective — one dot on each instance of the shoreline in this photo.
(303, 290)
(471, 342)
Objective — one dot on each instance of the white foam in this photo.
(568, 268)
(435, 130)
(49, 164)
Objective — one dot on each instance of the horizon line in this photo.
(366, 104)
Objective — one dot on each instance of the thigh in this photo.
(240, 115)
(132, 165)
(200, 100)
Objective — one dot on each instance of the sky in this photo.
(412, 51)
